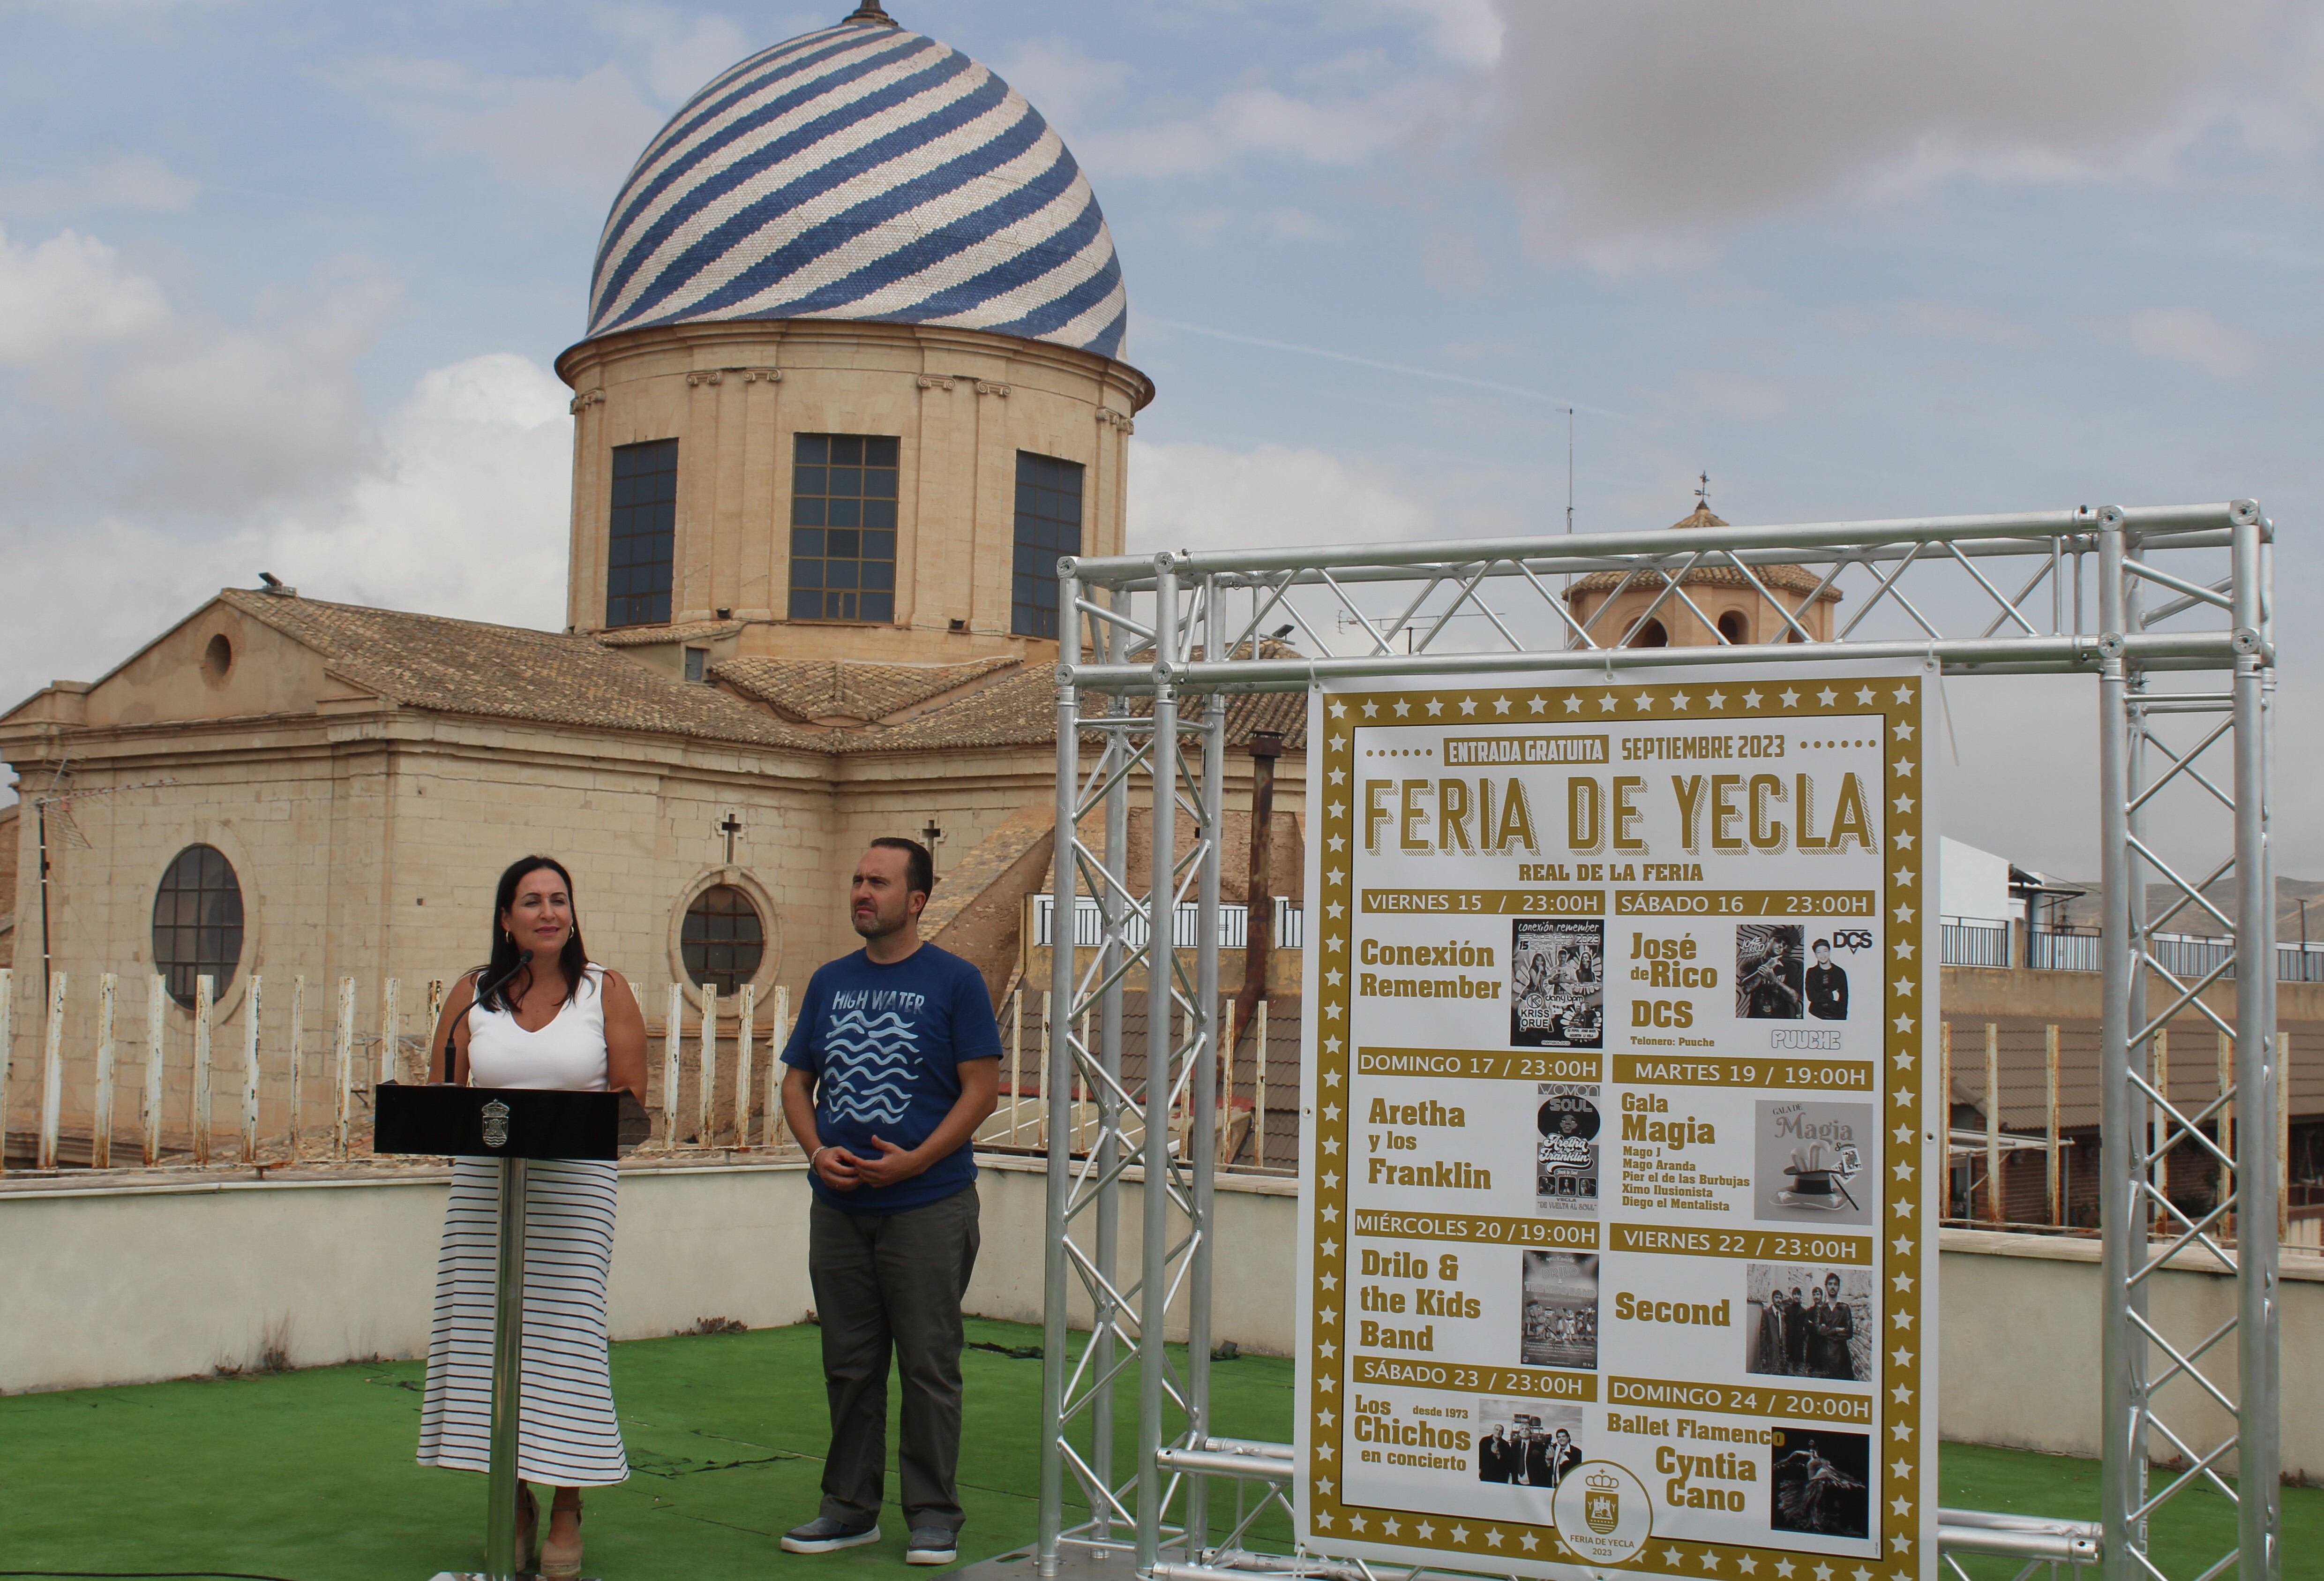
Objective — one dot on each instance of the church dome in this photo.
(862, 172)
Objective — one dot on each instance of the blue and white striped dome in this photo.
(862, 172)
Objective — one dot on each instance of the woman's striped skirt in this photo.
(566, 1432)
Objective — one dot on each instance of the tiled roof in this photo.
(823, 688)
(1020, 709)
(700, 630)
(509, 673)
(1787, 579)
(512, 673)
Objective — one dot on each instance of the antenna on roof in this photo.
(1703, 490)
(871, 15)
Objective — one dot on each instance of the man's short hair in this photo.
(1822, 944)
(919, 866)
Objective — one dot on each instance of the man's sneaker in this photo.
(931, 1545)
(823, 1535)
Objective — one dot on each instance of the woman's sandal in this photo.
(557, 1560)
(527, 1527)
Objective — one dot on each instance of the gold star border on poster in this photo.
(1477, 1544)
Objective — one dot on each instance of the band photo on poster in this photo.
(1820, 1477)
(1808, 1322)
(1808, 1163)
(1559, 1314)
(1769, 971)
(1530, 1443)
(1557, 982)
(1565, 1167)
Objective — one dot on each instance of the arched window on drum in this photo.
(724, 939)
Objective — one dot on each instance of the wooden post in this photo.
(2283, 1136)
(1994, 1209)
(703, 1111)
(1258, 1100)
(52, 1075)
(2056, 1175)
(204, 1000)
(100, 1107)
(673, 1035)
(745, 1063)
(390, 1030)
(157, 994)
(1048, 1040)
(2225, 1130)
(1016, 1061)
(8, 995)
(249, 1075)
(1083, 1096)
(1226, 1079)
(1945, 1114)
(774, 1127)
(2158, 1131)
(342, 1080)
(298, 1062)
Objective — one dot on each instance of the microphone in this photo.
(484, 986)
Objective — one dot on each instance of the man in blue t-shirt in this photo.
(893, 1065)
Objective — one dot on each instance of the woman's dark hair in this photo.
(506, 978)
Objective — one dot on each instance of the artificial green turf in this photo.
(309, 1476)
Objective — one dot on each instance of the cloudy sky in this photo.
(280, 284)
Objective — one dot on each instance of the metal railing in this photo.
(1185, 925)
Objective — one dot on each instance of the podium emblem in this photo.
(496, 1119)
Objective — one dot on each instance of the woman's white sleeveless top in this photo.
(567, 1055)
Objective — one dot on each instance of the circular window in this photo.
(218, 658)
(723, 940)
(198, 922)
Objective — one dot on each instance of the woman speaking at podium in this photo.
(546, 1017)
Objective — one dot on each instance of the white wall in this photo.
(131, 1284)
(1972, 883)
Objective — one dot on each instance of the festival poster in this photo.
(1618, 1228)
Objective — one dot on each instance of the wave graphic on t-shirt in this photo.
(868, 1068)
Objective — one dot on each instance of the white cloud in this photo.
(1263, 123)
(466, 512)
(679, 52)
(121, 181)
(1469, 32)
(462, 510)
(1640, 129)
(580, 134)
(1203, 496)
(232, 417)
(69, 292)
(2192, 336)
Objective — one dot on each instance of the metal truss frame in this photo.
(1181, 631)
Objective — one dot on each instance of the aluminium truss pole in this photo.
(2122, 1211)
(1111, 640)
(2258, 1491)
(1058, 1078)
(1161, 890)
(1202, 1131)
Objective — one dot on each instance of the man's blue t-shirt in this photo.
(884, 1042)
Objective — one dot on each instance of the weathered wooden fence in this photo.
(121, 1081)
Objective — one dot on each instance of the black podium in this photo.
(512, 1125)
